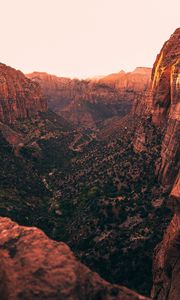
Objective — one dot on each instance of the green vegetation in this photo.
(99, 198)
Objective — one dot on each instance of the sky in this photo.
(84, 38)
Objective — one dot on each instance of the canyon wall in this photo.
(166, 115)
(19, 96)
(161, 103)
(166, 107)
(161, 106)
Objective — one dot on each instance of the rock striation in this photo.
(19, 96)
(35, 267)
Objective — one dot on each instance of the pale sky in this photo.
(83, 38)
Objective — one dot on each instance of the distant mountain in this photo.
(138, 80)
(86, 102)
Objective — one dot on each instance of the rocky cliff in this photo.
(161, 107)
(166, 81)
(162, 104)
(166, 115)
(19, 96)
(166, 107)
(35, 267)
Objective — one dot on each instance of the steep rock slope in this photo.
(19, 96)
(166, 106)
(35, 267)
(166, 115)
(162, 105)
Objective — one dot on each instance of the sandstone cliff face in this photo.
(19, 96)
(166, 81)
(35, 267)
(162, 103)
(166, 114)
(166, 107)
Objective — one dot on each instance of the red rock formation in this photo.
(162, 101)
(163, 105)
(35, 267)
(166, 114)
(166, 106)
(19, 96)
(166, 81)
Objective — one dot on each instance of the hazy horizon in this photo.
(82, 38)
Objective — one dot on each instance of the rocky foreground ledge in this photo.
(34, 267)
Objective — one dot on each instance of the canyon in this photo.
(92, 165)
(87, 102)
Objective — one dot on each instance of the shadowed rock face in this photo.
(166, 264)
(19, 97)
(166, 268)
(35, 267)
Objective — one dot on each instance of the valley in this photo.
(94, 164)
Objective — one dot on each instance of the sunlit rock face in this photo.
(166, 81)
(166, 106)
(162, 103)
(35, 267)
(19, 97)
